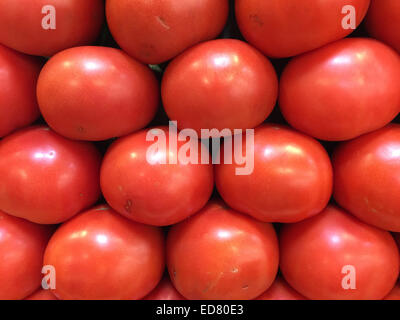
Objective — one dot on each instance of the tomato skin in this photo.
(101, 255)
(46, 178)
(383, 22)
(111, 81)
(291, 181)
(221, 254)
(367, 177)
(165, 290)
(156, 194)
(281, 290)
(224, 83)
(394, 294)
(156, 31)
(22, 244)
(18, 77)
(285, 28)
(314, 251)
(77, 23)
(42, 294)
(342, 90)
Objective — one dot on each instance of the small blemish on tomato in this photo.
(128, 206)
(256, 19)
(162, 22)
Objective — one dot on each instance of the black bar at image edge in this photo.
(196, 309)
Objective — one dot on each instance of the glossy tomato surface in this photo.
(22, 245)
(383, 22)
(281, 290)
(165, 290)
(46, 178)
(42, 294)
(367, 177)
(222, 254)
(291, 180)
(320, 256)
(22, 24)
(342, 90)
(156, 31)
(147, 186)
(101, 255)
(18, 77)
(96, 93)
(219, 84)
(284, 28)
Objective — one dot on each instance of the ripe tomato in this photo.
(280, 290)
(101, 255)
(22, 245)
(154, 193)
(46, 178)
(221, 254)
(342, 90)
(22, 24)
(165, 290)
(383, 21)
(395, 293)
(315, 255)
(120, 94)
(284, 28)
(219, 84)
(155, 31)
(291, 181)
(367, 177)
(18, 76)
(42, 294)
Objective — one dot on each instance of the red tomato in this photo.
(22, 245)
(101, 255)
(284, 28)
(24, 24)
(42, 294)
(165, 290)
(221, 254)
(219, 84)
(342, 90)
(154, 193)
(316, 253)
(120, 95)
(291, 181)
(395, 293)
(155, 31)
(367, 177)
(46, 178)
(383, 21)
(280, 290)
(18, 76)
